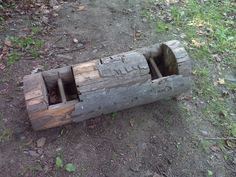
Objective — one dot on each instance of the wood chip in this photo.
(75, 40)
(81, 8)
(41, 142)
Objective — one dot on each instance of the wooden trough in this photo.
(82, 91)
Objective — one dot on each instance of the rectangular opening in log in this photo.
(60, 84)
(160, 67)
(156, 65)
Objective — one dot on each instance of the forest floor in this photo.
(194, 136)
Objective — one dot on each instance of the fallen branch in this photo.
(221, 138)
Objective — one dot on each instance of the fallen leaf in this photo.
(53, 3)
(230, 144)
(7, 43)
(138, 34)
(55, 15)
(75, 40)
(221, 81)
(131, 122)
(2, 66)
(217, 58)
(81, 8)
(45, 19)
(59, 162)
(33, 153)
(41, 142)
(196, 43)
(37, 69)
(5, 50)
(194, 72)
(215, 148)
(209, 173)
(1, 56)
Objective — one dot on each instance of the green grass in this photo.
(161, 27)
(207, 29)
(12, 57)
(29, 45)
(5, 133)
(35, 29)
(59, 164)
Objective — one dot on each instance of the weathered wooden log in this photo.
(79, 92)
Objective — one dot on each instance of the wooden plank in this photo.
(84, 67)
(62, 90)
(155, 67)
(56, 115)
(83, 78)
(35, 92)
(33, 86)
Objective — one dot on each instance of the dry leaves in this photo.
(41, 142)
(7, 43)
(230, 144)
(221, 81)
(197, 43)
(138, 33)
(81, 8)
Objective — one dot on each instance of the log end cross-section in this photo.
(41, 94)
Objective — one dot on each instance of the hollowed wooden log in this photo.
(79, 92)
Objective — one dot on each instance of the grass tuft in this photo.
(208, 29)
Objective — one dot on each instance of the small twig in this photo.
(72, 50)
(60, 38)
(222, 138)
(134, 33)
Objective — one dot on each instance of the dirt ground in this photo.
(154, 140)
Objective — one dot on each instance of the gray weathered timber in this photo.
(115, 99)
(117, 70)
(82, 91)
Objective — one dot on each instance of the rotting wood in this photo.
(35, 93)
(107, 85)
(54, 116)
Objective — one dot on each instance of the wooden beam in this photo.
(62, 90)
(155, 67)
